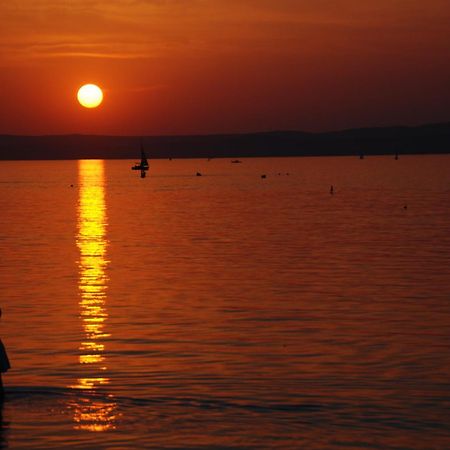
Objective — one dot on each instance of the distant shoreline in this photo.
(424, 139)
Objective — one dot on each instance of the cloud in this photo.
(115, 29)
(136, 29)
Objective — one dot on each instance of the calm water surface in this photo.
(226, 311)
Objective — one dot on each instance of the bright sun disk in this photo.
(90, 95)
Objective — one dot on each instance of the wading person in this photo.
(4, 363)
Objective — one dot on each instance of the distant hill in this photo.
(425, 139)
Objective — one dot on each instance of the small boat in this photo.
(236, 161)
(143, 165)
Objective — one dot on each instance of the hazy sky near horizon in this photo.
(198, 66)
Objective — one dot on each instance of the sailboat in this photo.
(143, 165)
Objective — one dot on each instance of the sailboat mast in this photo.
(144, 162)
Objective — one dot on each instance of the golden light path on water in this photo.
(91, 413)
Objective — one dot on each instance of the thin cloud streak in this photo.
(146, 28)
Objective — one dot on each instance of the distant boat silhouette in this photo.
(236, 161)
(143, 165)
(396, 156)
(361, 156)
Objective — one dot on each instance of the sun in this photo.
(90, 96)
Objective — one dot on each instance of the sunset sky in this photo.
(198, 66)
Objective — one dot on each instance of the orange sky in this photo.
(199, 66)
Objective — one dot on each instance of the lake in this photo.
(226, 311)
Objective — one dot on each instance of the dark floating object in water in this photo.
(71, 185)
(331, 189)
(198, 174)
(396, 156)
(405, 207)
(361, 156)
(236, 161)
(263, 176)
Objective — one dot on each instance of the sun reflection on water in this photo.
(93, 413)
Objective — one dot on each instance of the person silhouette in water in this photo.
(4, 363)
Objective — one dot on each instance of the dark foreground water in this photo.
(226, 311)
